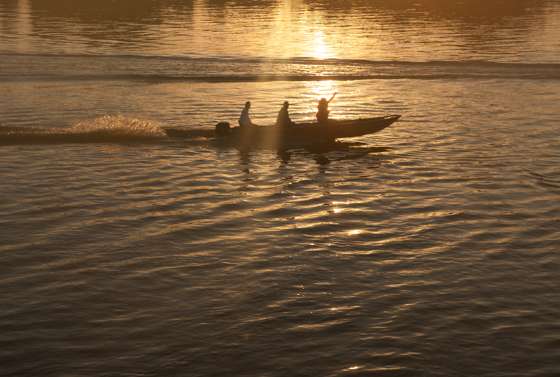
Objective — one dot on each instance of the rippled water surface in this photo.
(428, 249)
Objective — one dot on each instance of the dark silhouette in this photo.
(244, 118)
(323, 110)
(283, 120)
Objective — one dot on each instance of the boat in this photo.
(298, 135)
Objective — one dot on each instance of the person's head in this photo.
(286, 104)
(323, 100)
(247, 104)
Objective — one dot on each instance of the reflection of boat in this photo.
(299, 135)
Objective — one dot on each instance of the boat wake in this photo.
(105, 129)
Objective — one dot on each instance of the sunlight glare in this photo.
(320, 48)
(355, 232)
(317, 90)
(323, 88)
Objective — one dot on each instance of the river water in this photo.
(429, 249)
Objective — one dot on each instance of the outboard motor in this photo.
(222, 129)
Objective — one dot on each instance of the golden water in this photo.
(430, 248)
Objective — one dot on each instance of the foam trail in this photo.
(105, 129)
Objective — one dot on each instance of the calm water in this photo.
(429, 249)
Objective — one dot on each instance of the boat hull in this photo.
(298, 135)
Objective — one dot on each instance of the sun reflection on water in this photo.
(321, 89)
(318, 90)
(320, 48)
(355, 232)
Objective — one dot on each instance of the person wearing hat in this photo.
(244, 118)
(283, 119)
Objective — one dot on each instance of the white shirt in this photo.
(244, 119)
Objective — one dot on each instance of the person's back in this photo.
(323, 110)
(283, 119)
(244, 118)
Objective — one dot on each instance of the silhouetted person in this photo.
(323, 110)
(283, 119)
(244, 118)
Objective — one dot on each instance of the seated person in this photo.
(244, 118)
(283, 119)
(323, 110)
